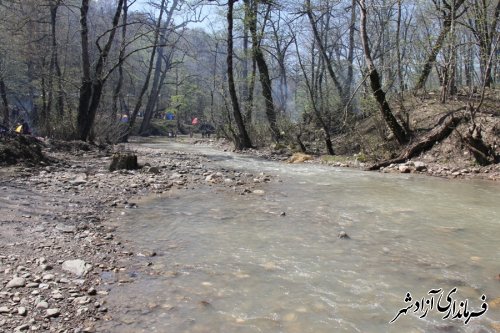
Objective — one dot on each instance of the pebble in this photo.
(21, 328)
(4, 309)
(82, 300)
(52, 313)
(65, 228)
(42, 305)
(22, 311)
(48, 277)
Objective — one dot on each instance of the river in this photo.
(274, 261)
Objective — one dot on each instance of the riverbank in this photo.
(58, 256)
(429, 164)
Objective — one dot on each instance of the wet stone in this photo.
(343, 235)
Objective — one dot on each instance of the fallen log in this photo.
(440, 132)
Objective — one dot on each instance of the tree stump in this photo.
(127, 161)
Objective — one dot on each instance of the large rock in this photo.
(420, 166)
(127, 161)
(16, 283)
(77, 267)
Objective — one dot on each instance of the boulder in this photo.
(77, 267)
(120, 161)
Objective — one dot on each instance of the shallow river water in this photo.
(234, 263)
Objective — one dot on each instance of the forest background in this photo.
(385, 79)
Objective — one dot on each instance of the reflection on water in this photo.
(233, 263)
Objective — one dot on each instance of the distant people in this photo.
(22, 127)
(124, 119)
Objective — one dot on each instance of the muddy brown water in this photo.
(233, 263)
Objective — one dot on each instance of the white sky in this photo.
(209, 11)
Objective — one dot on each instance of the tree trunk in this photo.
(155, 87)
(242, 140)
(323, 52)
(53, 67)
(399, 132)
(444, 128)
(117, 93)
(431, 59)
(313, 97)
(148, 75)
(265, 79)
(91, 88)
(350, 55)
(3, 95)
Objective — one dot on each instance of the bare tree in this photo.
(242, 139)
(449, 12)
(399, 132)
(265, 79)
(92, 83)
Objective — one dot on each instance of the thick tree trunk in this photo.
(242, 140)
(399, 132)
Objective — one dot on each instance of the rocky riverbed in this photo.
(58, 256)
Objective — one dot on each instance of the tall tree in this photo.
(323, 51)
(449, 12)
(399, 131)
(484, 29)
(242, 139)
(93, 82)
(117, 92)
(156, 86)
(265, 79)
(145, 85)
